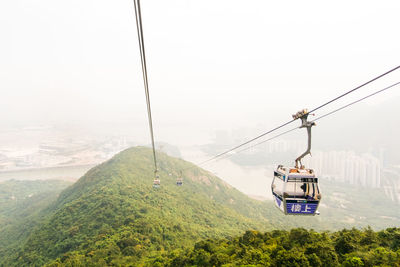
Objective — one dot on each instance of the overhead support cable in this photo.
(359, 100)
(320, 117)
(257, 144)
(355, 89)
(247, 142)
(139, 26)
(287, 123)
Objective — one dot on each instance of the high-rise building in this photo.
(348, 167)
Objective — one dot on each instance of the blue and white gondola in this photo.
(296, 191)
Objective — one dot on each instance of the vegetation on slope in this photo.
(19, 198)
(297, 247)
(114, 212)
(21, 203)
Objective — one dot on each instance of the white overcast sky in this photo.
(212, 63)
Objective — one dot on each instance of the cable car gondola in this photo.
(295, 190)
(179, 180)
(156, 183)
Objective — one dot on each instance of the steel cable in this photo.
(320, 117)
(139, 26)
(319, 107)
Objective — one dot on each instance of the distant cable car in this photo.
(179, 181)
(156, 183)
(295, 190)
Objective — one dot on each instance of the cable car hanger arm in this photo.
(303, 115)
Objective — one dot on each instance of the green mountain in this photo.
(21, 203)
(113, 215)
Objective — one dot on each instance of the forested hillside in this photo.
(114, 213)
(20, 198)
(21, 203)
(297, 247)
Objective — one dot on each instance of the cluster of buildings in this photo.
(343, 166)
(348, 167)
(359, 169)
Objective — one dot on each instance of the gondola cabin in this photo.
(295, 191)
(156, 183)
(179, 182)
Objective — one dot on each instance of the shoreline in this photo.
(70, 173)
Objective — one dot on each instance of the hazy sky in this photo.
(212, 64)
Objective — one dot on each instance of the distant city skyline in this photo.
(347, 167)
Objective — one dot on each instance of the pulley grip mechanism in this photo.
(303, 115)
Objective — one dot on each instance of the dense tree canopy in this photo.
(297, 247)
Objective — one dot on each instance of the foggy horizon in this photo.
(210, 64)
